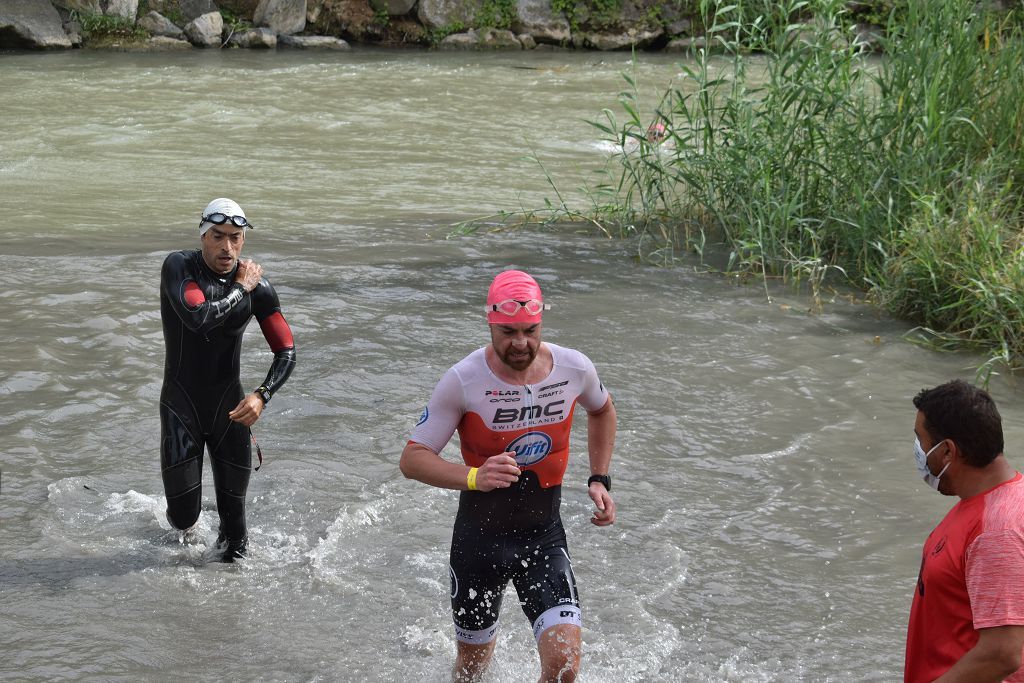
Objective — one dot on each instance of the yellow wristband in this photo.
(471, 479)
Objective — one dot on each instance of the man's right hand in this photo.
(248, 274)
(497, 472)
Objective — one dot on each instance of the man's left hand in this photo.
(248, 410)
(604, 515)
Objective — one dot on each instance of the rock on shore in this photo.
(332, 24)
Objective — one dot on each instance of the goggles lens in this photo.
(222, 218)
(511, 306)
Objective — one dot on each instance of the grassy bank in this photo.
(900, 175)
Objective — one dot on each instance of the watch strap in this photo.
(605, 480)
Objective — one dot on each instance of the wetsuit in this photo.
(204, 315)
(512, 534)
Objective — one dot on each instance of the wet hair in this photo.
(965, 414)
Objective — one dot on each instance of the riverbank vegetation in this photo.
(900, 175)
(103, 31)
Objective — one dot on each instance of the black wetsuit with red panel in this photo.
(204, 317)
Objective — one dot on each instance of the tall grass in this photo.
(900, 175)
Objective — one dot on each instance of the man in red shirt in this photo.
(967, 617)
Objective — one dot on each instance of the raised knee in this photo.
(182, 520)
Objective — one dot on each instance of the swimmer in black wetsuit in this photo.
(207, 297)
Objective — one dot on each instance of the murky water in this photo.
(770, 517)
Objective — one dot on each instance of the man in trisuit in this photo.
(512, 403)
(207, 297)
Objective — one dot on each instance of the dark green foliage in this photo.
(100, 30)
(900, 175)
(496, 14)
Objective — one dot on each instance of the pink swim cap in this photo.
(514, 285)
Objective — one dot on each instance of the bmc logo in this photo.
(530, 448)
(510, 415)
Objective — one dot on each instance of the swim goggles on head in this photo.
(222, 218)
(511, 306)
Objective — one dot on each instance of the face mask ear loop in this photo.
(946, 467)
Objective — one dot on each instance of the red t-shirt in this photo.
(972, 577)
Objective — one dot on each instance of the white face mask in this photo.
(922, 464)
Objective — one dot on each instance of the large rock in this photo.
(159, 25)
(690, 44)
(193, 9)
(435, 14)
(536, 18)
(394, 8)
(254, 38)
(31, 25)
(285, 17)
(205, 31)
(489, 39)
(167, 44)
(126, 9)
(618, 41)
(83, 6)
(312, 43)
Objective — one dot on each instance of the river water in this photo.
(770, 516)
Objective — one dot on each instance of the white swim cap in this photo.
(226, 207)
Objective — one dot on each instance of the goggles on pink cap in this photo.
(512, 306)
(514, 297)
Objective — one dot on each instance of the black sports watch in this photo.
(605, 479)
(263, 393)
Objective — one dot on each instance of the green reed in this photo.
(900, 175)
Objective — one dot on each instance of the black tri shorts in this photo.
(538, 566)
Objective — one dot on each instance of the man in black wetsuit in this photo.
(207, 297)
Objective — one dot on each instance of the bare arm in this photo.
(422, 464)
(996, 655)
(601, 426)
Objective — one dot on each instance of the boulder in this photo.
(285, 17)
(205, 31)
(193, 9)
(83, 6)
(394, 8)
(126, 9)
(459, 41)
(254, 38)
(527, 41)
(167, 44)
(312, 42)
(489, 39)
(73, 29)
(679, 27)
(619, 41)
(537, 18)
(31, 25)
(159, 25)
(435, 14)
(687, 44)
